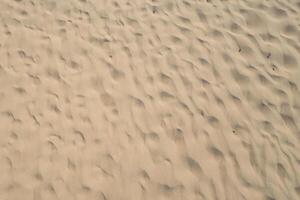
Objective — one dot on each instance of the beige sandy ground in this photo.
(154, 100)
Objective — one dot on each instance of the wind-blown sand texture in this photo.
(149, 100)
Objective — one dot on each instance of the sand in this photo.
(149, 100)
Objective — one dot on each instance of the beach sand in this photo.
(149, 100)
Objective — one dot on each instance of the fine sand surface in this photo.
(149, 99)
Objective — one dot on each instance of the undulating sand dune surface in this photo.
(146, 100)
